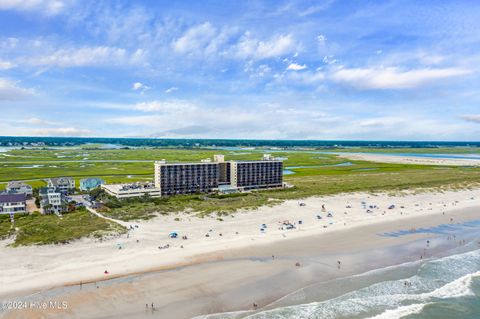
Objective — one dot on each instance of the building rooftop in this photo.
(184, 163)
(17, 184)
(129, 187)
(56, 180)
(9, 198)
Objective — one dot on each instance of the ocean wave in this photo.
(460, 287)
(400, 312)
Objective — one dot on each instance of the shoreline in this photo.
(246, 255)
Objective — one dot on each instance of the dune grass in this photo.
(39, 229)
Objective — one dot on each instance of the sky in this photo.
(281, 69)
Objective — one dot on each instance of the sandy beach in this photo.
(401, 159)
(233, 267)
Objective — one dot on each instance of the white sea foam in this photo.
(460, 287)
(400, 312)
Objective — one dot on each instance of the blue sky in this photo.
(377, 70)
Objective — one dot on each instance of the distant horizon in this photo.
(328, 141)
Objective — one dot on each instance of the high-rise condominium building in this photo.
(207, 176)
(246, 175)
(186, 178)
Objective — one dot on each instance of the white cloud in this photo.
(85, 56)
(171, 90)
(296, 67)
(393, 78)
(249, 47)
(5, 65)
(47, 7)
(172, 106)
(184, 118)
(137, 86)
(60, 131)
(10, 91)
(321, 39)
(475, 118)
(306, 77)
(329, 59)
(195, 39)
(9, 43)
(37, 121)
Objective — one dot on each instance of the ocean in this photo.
(443, 288)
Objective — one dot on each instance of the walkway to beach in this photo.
(122, 223)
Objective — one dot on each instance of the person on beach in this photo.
(339, 264)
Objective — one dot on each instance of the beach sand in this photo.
(403, 159)
(233, 271)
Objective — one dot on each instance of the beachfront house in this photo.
(52, 200)
(87, 184)
(64, 185)
(13, 203)
(15, 187)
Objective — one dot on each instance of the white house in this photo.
(62, 184)
(52, 201)
(12, 203)
(16, 187)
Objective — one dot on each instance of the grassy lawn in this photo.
(39, 229)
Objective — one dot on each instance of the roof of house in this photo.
(91, 179)
(46, 190)
(16, 184)
(11, 198)
(57, 180)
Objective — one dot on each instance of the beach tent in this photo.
(173, 235)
